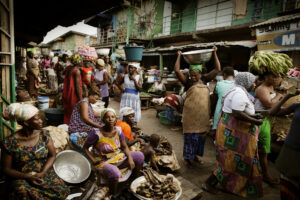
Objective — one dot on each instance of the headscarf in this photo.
(20, 112)
(134, 64)
(76, 59)
(104, 111)
(196, 68)
(101, 62)
(245, 79)
(126, 111)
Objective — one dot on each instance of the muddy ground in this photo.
(197, 174)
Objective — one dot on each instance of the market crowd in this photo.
(237, 112)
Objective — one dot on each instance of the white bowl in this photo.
(72, 166)
(104, 51)
(142, 179)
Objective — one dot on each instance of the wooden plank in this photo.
(4, 5)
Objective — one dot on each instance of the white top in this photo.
(258, 104)
(238, 100)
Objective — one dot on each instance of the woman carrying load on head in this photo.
(28, 157)
(238, 168)
(195, 115)
(133, 85)
(112, 157)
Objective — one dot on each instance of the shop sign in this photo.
(279, 36)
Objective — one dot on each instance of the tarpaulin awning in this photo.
(166, 50)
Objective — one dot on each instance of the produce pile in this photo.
(164, 147)
(275, 63)
(158, 187)
(59, 136)
(88, 53)
(294, 72)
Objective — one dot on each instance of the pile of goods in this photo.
(23, 95)
(145, 94)
(157, 186)
(88, 53)
(100, 193)
(294, 72)
(165, 156)
(275, 63)
(59, 136)
(280, 127)
(164, 147)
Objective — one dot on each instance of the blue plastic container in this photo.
(43, 102)
(134, 53)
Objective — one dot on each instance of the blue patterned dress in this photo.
(131, 97)
(76, 123)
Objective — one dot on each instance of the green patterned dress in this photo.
(28, 159)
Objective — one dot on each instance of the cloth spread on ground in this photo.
(196, 110)
(238, 169)
(33, 159)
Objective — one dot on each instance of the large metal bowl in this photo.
(198, 56)
(72, 166)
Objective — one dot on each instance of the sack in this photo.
(59, 136)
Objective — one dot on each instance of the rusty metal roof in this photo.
(278, 20)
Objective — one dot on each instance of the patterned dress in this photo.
(131, 97)
(32, 159)
(238, 169)
(76, 123)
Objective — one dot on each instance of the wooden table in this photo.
(146, 101)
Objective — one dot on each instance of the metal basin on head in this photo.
(197, 56)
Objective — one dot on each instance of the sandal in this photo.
(200, 161)
(208, 188)
(187, 162)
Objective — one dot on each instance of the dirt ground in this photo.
(197, 174)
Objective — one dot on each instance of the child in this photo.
(149, 151)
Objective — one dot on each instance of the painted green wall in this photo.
(159, 8)
(189, 16)
(269, 10)
(176, 19)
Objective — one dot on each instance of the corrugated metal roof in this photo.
(244, 43)
(277, 20)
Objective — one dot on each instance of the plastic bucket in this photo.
(134, 53)
(163, 119)
(43, 102)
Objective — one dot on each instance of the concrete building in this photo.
(71, 41)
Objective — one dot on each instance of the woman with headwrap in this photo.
(238, 169)
(186, 81)
(33, 73)
(195, 118)
(133, 85)
(101, 80)
(112, 157)
(72, 87)
(29, 156)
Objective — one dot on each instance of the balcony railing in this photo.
(201, 18)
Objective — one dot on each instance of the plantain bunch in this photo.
(272, 62)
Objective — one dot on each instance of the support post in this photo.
(161, 64)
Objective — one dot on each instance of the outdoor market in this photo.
(151, 100)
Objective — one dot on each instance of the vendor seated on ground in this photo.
(126, 124)
(174, 105)
(28, 156)
(149, 151)
(83, 118)
(111, 156)
(158, 87)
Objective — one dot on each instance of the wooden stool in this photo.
(146, 101)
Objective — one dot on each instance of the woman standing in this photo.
(32, 75)
(288, 160)
(266, 97)
(221, 88)
(113, 155)
(72, 87)
(195, 116)
(238, 169)
(133, 85)
(29, 156)
(101, 80)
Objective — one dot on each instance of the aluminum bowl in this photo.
(72, 166)
(198, 56)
